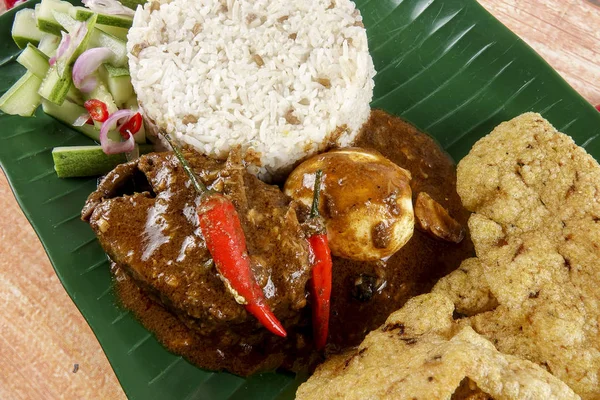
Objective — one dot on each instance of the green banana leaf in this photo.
(447, 66)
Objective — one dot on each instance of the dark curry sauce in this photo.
(363, 294)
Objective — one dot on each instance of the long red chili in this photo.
(321, 272)
(225, 240)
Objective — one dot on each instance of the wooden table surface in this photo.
(43, 335)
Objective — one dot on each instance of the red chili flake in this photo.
(132, 126)
(97, 109)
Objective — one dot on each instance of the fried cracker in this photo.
(536, 229)
(422, 353)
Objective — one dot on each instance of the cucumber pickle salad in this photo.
(76, 69)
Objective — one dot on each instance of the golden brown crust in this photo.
(421, 353)
(535, 196)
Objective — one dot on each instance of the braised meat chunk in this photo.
(152, 233)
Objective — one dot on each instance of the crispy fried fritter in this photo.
(536, 229)
(421, 353)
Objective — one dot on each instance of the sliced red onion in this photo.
(112, 7)
(62, 47)
(86, 65)
(69, 44)
(82, 119)
(77, 36)
(110, 147)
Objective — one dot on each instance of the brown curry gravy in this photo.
(363, 293)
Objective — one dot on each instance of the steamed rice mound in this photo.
(283, 79)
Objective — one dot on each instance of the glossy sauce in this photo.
(364, 293)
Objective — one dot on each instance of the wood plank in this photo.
(564, 32)
(42, 334)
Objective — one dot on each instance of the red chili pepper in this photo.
(598, 107)
(132, 126)
(222, 230)
(225, 240)
(321, 272)
(97, 109)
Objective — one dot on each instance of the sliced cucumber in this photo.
(133, 3)
(24, 30)
(75, 96)
(54, 87)
(82, 14)
(48, 44)
(132, 103)
(116, 72)
(45, 16)
(102, 93)
(65, 63)
(22, 98)
(65, 20)
(120, 33)
(68, 112)
(80, 161)
(118, 82)
(34, 60)
(102, 39)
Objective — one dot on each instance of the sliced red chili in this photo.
(321, 273)
(598, 107)
(97, 109)
(132, 126)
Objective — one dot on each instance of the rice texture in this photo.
(283, 79)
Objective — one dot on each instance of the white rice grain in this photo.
(280, 78)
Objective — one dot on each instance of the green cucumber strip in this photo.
(45, 15)
(22, 97)
(81, 161)
(68, 112)
(120, 33)
(102, 93)
(65, 20)
(133, 3)
(34, 60)
(115, 72)
(100, 38)
(48, 44)
(54, 87)
(64, 65)
(118, 82)
(24, 30)
(82, 14)
(75, 96)
(132, 103)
